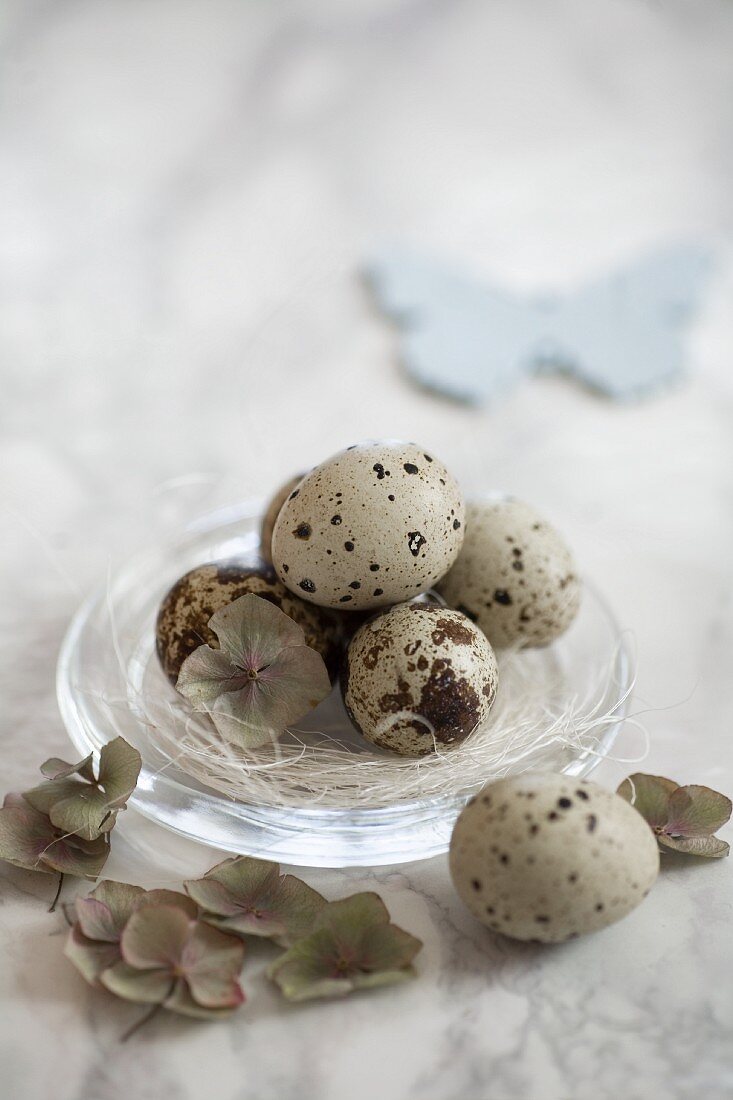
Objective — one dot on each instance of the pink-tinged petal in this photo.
(155, 937)
(170, 897)
(64, 857)
(104, 913)
(24, 836)
(284, 692)
(211, 962)
(650, 795)
(697, 811)
(212, 896)
(249, 897)
(96, 921)
(14, 800)
(301, 679)
(141, 986)
(253, 632)
(205, 674)
(90, 957)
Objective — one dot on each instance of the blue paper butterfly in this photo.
(621, 335)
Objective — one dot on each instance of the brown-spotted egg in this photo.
(418, 677)
(374, 525)
(183, 617)
(546, 857)
(514, 576)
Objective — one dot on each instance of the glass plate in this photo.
(107, 664)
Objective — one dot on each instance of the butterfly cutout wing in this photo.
(621, 335)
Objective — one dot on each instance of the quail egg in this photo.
(418, 677)
(546, 857)
(374, 525)
(514, 576)
(183, 617)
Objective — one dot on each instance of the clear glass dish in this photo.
(107, 665)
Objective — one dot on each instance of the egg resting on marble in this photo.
(272, 512)
(374, 525)
(545, 857)
(183, 617)
(514, 576)
(418, 677)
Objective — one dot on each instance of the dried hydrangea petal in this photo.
(163, 942)
(650, 795)
(29, 839)
(353, 946)
(696, 811)
(682, 818)
(78, 803)
(710, 847)
(250, 897)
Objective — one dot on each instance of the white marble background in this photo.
(186, 189)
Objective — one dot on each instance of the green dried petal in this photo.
(650, 795)
(697, 811)
(182, 1002)
(170, 897)
(24, 836)
(708, 846)
(141, 986)
(90, 957)
(103, 914)
(164, 941)
(119, 770)
(85, 813)
(46, 795)
(252, 631)
(68, 860)
(60, 769)
(249, 897)
(154, 937)
(211, 962)
(78, 803)
(29, 839)
(383, 977)
(353, 946)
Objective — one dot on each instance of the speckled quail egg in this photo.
(418, 677)
(545, 857)
(183, 617)
(514, 576)
(372, 526)
(272, 512)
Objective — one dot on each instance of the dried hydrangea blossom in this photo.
(683, 819)
(262, 677)
(251, 898)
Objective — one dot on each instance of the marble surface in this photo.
(186, 190)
